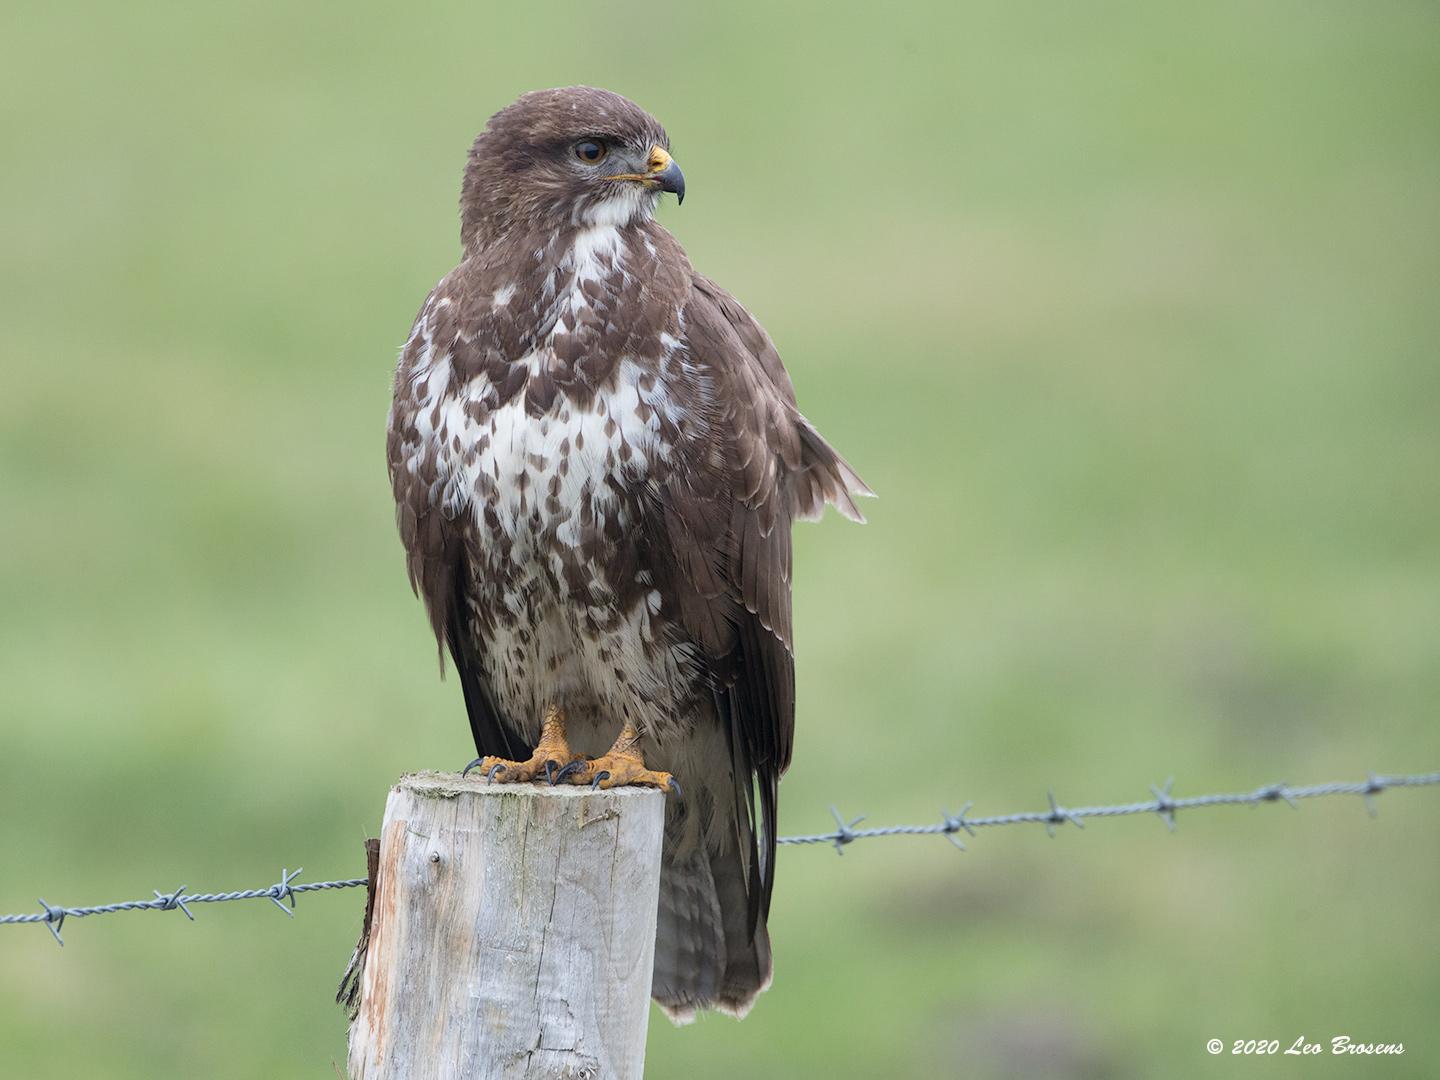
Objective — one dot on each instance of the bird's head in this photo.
(573, 156)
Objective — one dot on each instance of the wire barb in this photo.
(1164, 804)
(1374, 785)
(955, 822)
(171, 901)
(844, 833)
(281, 890)
(54, 920)
(1275, 792)
(1059, 816)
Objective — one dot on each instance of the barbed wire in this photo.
(54, 915)
(1164, 804)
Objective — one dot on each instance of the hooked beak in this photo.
(667, 174)
(661, 172)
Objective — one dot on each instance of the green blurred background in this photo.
(1129, 313)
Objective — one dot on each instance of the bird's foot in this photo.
(617, 768)
(551, 757)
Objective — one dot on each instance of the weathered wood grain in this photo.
(513, 932)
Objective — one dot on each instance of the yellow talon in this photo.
(551, 757)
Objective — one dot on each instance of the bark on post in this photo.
(513, 933)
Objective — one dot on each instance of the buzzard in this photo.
(596, 456)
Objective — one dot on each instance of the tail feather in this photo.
(705, 955)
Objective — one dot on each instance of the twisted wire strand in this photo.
(1164, 804)
(54, 915)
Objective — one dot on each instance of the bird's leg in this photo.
(619, 766)
(552, 753)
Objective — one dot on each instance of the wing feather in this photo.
(729, 527)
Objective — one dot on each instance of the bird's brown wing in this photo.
(751, 466)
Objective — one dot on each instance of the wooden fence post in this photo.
(513, 932)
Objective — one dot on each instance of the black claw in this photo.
(675, 786)
(573, 767)
(602, 775)
(490, 776)
(550, 770)
(466, 771)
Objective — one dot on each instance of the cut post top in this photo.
(450, 785)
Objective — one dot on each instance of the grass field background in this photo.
(1128, 312)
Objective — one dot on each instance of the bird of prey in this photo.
(596, 457)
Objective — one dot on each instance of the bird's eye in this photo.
(590, 151)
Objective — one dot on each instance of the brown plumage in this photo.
(596, 457)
